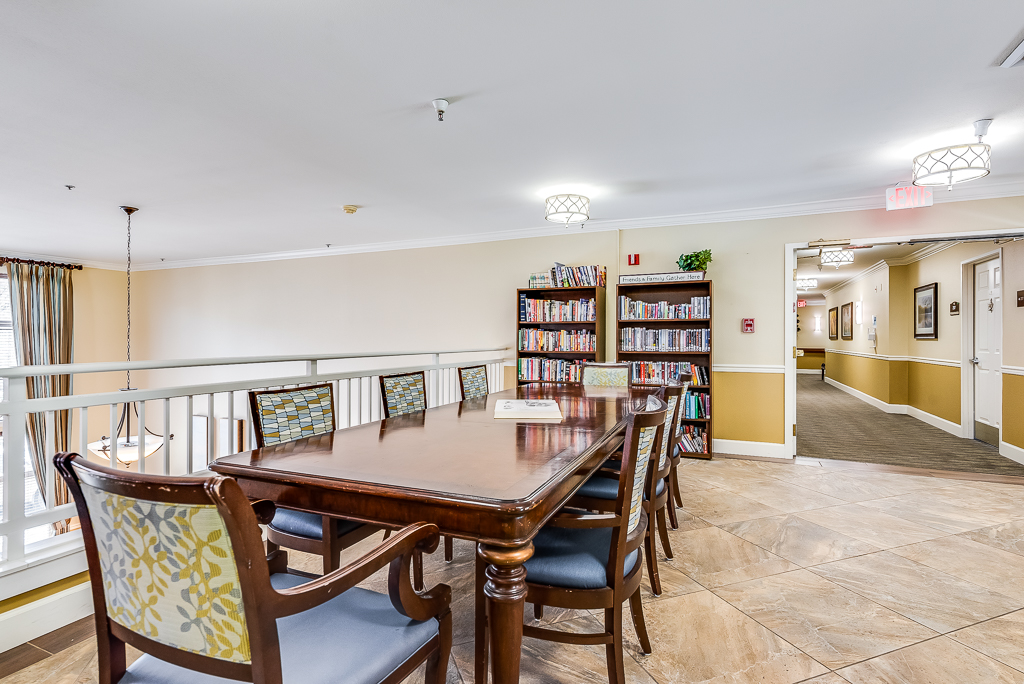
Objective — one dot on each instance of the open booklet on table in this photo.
(528, 409)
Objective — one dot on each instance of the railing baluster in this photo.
(141, 437)
(46, 487)
(359, 401)
(167, 436)
(113, 435)
(375, 399)
(189, 435)
(231, 421)
(83, 432)
(14, 469)
(211, 426)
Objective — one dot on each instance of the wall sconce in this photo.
(858, 312)
(817, 323)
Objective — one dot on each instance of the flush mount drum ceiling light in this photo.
(806, 283)
(567, 209)
(836, 257)
(957, 163)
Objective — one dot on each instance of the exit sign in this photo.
(908, 197)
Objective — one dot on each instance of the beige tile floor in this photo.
(785, 573)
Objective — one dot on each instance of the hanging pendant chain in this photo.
(129, 312)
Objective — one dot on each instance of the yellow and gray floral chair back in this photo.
(405, 393)
(474, 381)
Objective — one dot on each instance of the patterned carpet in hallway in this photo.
(833, 424)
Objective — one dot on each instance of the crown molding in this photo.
(39, 256)
(924, 253)
(864, 203)
(874, 268)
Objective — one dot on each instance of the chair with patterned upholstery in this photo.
(403, 393)
(605, 374)
(178, 571)
(676, 456)
(473, 381)
(589, 561)
(599, 492)
(283, 416)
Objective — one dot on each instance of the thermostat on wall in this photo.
(954, 308)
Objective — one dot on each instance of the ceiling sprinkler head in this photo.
(440, 106)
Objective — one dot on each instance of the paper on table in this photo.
(527, 409)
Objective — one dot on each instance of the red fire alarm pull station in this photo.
(748, 325)
(633, 259)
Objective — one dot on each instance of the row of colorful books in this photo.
(696, 405)
(701, 376)
(561, 275)
(633, 309)
(659, 372)
(556, 311)
(643, 339)
(694, 440)
(532, 339)
(554, 370)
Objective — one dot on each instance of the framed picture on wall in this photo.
(833, 323)
(848, 321)
(926, 323)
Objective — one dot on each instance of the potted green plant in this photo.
(695, 261)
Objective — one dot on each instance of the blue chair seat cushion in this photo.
(357, 637)
(599, 487)
(308, 525)
(573, 559)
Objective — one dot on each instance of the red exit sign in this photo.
(908, 197)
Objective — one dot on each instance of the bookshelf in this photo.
(555, 302)
(649, 339)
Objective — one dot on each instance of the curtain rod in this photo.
(73, 267)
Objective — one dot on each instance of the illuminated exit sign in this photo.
(908, 197)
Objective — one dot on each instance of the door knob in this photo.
(975, 360)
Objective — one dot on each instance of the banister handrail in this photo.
(115, 366)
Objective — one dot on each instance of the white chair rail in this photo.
(191, 422)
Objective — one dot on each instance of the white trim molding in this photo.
(745, 368)
(933, 420)
(738, 447)
(808, 371)
(33, 620)
(881, 357)
(1012, 452)
(900, 409)
(1013, 370)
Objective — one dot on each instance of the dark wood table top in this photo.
(457, 455)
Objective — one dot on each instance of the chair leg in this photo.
(538, 611)
(449, 549)
(437, 664)
(330, 549)
(614, 653)
(417, 570)
(675, 487)
(636, 608)
(663, 530)
(652, 562)
(673, 521)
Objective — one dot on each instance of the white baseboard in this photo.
(868, 399)
(933, 420)
(740, 448)
(901, 409)
(1011, 452)
(808, 371)
(40, 617)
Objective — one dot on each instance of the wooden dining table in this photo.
(493, 481)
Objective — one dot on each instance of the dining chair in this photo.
(285, 415)
(178, 571)
(605, 374)
(676, 456)
(599, 492)
(589, 561)
(473, 381)
(407, 393)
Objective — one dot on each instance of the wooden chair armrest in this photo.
(577, 519)
(264, 510)
(415, 605)
(398, 548)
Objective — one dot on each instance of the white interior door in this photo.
(988, 358)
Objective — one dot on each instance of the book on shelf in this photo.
(533, 339)
(696, 405)
(528, 409)
(659, 372)
(632, 309)
(578, 276)
(550, 370)
(556, 311)
(693, 440)
(541, 280)
(643, 339)
(701, 376)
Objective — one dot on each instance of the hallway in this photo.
(832, 424)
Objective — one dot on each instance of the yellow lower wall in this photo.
(934, 389)
(43, 591)
(1013, 409)
(810, 360)
(868, 375)
(749, 407)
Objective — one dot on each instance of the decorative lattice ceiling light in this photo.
(836, 257)
(957, 163)
(567, 209)
(806, 283)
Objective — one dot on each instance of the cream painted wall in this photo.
(806, 337)
(873, 293)
(1013, 317)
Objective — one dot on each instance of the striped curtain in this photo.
(43, 316)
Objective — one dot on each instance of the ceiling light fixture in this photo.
(350, 208)
(440, 105)
(835, 257)
(956, 163)
(567, 209)
(806, 283)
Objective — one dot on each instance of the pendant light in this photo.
(128, 447)
(957, 163)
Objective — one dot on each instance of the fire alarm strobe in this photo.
(748, 325)
(633, 259)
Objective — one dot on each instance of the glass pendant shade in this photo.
(567, 208)
(950, 165)
(127, 448)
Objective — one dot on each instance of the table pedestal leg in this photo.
(506, 595)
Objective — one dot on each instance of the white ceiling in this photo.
(807, 265)
(241, 127)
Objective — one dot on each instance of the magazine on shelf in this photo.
(528, 409)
